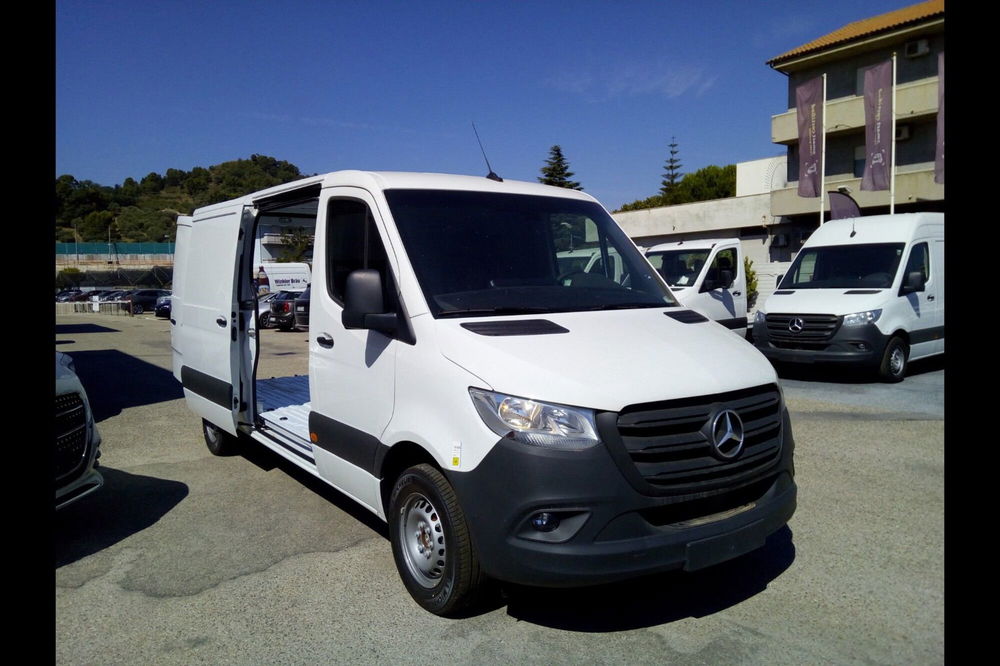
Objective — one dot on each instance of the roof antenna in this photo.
(490, 175)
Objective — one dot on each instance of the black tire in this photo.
(894, 361)
(219, 442)
(136, 309)
(265, 320)
(431, 543)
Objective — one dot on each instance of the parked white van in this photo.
(706, 275)
(273, 276)
(508, 422)
(866, 291)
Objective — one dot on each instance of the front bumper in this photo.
(609, 530)
(855, 345)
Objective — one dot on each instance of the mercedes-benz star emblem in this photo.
(727, 434)
(796, 325)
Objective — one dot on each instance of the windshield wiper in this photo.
(497, 310)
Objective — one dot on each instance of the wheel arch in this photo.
(396, 459)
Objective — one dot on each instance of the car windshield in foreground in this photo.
(484, 253)
(871, 266)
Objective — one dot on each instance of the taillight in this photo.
(286, 307)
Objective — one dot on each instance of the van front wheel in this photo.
(893, 366)
(431, 543)
(219, 442)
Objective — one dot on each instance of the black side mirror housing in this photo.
(912, 282)
(363, 306)
(777, 282)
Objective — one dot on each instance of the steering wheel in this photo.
(570, 274)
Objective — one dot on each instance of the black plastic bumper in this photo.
(857, 345)
(605, 533)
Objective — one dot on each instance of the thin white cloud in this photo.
(666, 79)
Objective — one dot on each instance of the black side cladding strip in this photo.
(515, 327)
(689, 317)
(356, 447)
(738, 322)
(208, 387)
(926, 335)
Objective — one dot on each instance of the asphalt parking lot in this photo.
(186, 558)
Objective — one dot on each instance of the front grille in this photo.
(816, 329)
(71, 436)
(668, 442)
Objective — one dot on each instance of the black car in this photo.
(283, 310)
(302, 310)
(162, 307)
(143, 300)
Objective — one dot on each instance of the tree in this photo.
(712, 182)
(296, 245)
(672, 175)
(556, 171)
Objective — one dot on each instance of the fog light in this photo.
(544, 521)
(863, 346)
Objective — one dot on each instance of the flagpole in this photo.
(892, 155)
(822, 157)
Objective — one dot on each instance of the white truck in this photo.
(706, 275)
(866, 291)
(508, 421)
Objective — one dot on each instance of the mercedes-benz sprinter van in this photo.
(508, 421)
(867, 291)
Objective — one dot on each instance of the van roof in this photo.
(693, 244)
(876, 229)
(387, 180)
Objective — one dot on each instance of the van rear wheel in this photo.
(431, 543)
(894, 360)
(219, 442)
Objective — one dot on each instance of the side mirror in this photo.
(912, 282)
(363, 307)
(777, 282)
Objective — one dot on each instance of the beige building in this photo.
(915, 34)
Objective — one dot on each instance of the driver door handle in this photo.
(737, 293)
(325, 341)
(930, 297)
(221, 321)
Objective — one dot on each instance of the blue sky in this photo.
(147, 86)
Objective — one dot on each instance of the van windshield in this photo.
(484, 253)
(871, 266)
(679, 268)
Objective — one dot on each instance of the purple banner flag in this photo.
(939, 147)
(878, 127)
(842, 205)
(809, 106)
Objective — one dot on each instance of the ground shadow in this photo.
(125, 505)
(267, 460)
(114, 381)
(846, 374)
(83, 328)
(657, 599)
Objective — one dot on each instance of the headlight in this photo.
(536, 423)
(862, 318)
(760, 317)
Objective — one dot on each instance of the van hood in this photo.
(606, 360)
(826, 301)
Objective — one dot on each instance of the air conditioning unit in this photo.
(902, 132)
(916, 48)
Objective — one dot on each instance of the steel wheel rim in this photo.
(421, 535)
(896, 361)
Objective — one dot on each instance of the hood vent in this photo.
(863, 291)
(687, 316)
(515, 327)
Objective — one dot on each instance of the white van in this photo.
(274, 276)
(706, 275)
(508, 422)
(866, 291)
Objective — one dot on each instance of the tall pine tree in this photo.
(556, 171)
(672, 175)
